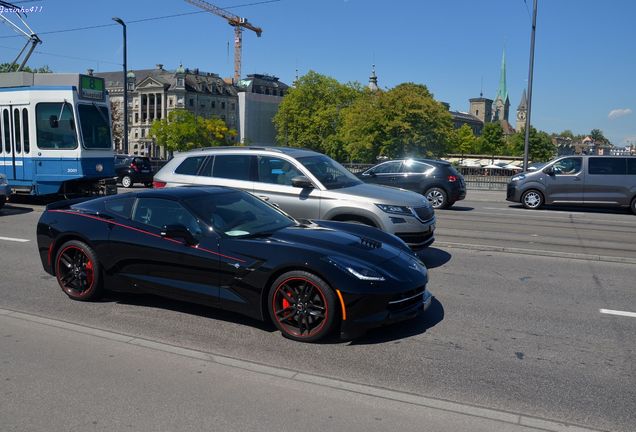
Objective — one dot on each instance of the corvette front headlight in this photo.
(356, 269)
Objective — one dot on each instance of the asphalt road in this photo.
(516, 326)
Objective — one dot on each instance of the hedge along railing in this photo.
(476, 178)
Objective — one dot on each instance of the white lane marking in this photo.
(538, 215)
(617, 312)
(528, 210)
(19, 240)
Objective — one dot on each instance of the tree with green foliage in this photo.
(540, 146)
(403, 121)
(182, 131)
(6, 67)
(598, 137)
(310, 113)
(463, 141)
(492, 139)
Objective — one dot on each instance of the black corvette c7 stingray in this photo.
(228, 249)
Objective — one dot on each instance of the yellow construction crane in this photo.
(235, 21)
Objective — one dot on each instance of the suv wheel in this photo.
(437, 197)
(126, 181)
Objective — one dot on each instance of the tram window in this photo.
(55, 126)
(7, 131)
(95, 126)
(25, 130)
(16, 130)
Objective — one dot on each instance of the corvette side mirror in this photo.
(178, 231)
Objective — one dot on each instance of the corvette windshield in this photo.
(239, 214)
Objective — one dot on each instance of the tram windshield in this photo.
(55, 125)
(95, 126)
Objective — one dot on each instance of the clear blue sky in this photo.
(585, 65)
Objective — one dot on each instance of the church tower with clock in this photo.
(522, 112)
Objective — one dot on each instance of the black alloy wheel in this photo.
(437, 197)
(126, 181)
(302, 306)
(633, 206)
(77, 271)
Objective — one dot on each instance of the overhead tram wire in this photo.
(65, 56)
(143, 19)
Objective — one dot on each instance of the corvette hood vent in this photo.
(370, 243)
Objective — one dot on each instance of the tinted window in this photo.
(631, 166)
(567, 166)
(7, 131)
(120, 206)
(55, 126)
(235, 167)
(607, 166)
(276, 170)
(95, 126)
(411, 166)
(16, 130)
(238, 214)
(157, 212)
(190, 166)
(329, 172)
(388, 168)
(25, 130)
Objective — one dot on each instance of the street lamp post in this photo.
(123, 24)
(530, 74)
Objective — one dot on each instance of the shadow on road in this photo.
(459, 208)
(11, 210)
(433, 257)
(580, 209)
(414, 327)
(149, 300)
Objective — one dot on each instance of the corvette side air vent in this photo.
(369, 243)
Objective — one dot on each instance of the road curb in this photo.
(538, 252)
(336, 384)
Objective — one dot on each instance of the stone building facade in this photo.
(153, 93)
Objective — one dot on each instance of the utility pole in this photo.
(123, 24)
(530, 73)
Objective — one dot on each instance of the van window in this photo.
(567, 166)
(607, 166)
(236, 167)
(631, 166)
(190, 166)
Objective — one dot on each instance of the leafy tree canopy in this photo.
(597, 136)
(6, 67)
(182, 131)
(492, 139)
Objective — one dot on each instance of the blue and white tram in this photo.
(55, 134)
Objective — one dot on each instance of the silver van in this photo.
(307, 185)
(589, 180)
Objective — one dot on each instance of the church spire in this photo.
(523, 105)
(502, 90)
(373, 80)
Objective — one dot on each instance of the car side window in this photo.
(276, 170)
(416, 167)
(631, 166)
(388, 168)
(607, 166)
(567, 166)
(119, 206)
(157, 213)
(235, 167)
(190, 166)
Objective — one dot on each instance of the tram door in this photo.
(16, 142)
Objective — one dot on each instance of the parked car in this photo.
(588, 180)
(226, 248)
(307, 185)
(5, 190)
(133, 169)
(437, 180)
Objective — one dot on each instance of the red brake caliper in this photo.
(89, 273)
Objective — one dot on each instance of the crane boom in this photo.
(235, 21)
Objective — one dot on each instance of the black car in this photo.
(228, 249)
(437, 180)
(133, 169)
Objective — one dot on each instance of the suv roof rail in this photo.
(236, 148)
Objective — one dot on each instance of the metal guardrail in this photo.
(476, 178)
